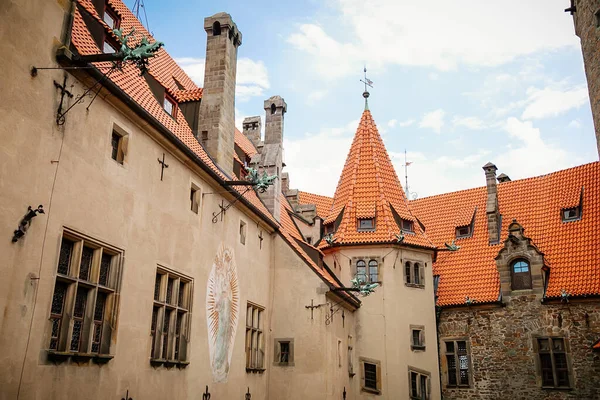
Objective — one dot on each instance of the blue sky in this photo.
(456, 85)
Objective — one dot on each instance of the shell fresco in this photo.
(222, 312)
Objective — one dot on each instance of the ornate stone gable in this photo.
(520, 265)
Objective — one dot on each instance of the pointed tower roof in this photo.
(369, 189)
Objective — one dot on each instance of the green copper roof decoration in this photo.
(452, 246)
(139, 54)
(363, 288)
(329, 239)
(399, 237)
(260, 182)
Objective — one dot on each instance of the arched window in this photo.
(216, 28)
(521, 275)
(361, 271)
(373, 271)
(407, 268)
(417, 274)
(273, 109)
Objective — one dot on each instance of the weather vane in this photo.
(368, 83)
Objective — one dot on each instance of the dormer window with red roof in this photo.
(366, 224)
(407, 226)
(571, 214)
(464, 231)
(111, 18)
(170, 105)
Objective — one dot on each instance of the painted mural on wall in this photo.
(222, 311)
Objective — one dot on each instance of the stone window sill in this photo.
(458, 386)
(415, 285)
(256, 370)
(157, 362)
(79, 358)
(282, 364)
(417, 348)
(557, 388)
(370, 390)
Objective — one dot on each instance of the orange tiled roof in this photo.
(570, 249)
(188, 95)
(369, 187)
(323, 203)
(164, 69)
(244, 143)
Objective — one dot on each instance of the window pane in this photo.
(86, 263)
(416, 274)
(165, 344)
(544, 345)
(413, 384)
(361, 271)
(451, 369)
(157, 287)
(521, 266)
(450, 347)
(64, 260)
(423, 388)
(370, 375)
(407, 272)
(464, 377)
(105, 269)
(546, 364)
(285, 352)
(168, 106)
(462, 347)
(108, 48)
(558, 345)
(373, 271)
(416, 337)
(109, 20)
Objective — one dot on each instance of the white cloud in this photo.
(305, 160)
(433, 120)
(549, 102)
(473, 123)
(406, 123)
(575, 124)
(435, 34)
(252, 78)
(392, 123)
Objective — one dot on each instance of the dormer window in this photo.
(407, 226)
(108, 48)
(463, 231)
(366, 224)
(571, 214)
(170, 105)
(111, 18)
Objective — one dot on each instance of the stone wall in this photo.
(586, 27)
(501, 338)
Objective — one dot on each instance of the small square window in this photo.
(463, 231)
(170, 106)
(366, 224)
(118, 144)
(243, 227)
(417, 337)
(284, 352)
(571, 214)
(407, 226)
(108, 48)
(194, 198)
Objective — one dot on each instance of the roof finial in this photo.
(368, 83)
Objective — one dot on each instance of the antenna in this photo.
(136, 10)
(406, 164)
(368, 83)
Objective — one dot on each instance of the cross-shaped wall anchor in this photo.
(223, 209)
(60, 117)
(162, 166)
(260, 237)
(312, 307)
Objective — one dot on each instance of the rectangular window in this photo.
(571, 214)
(194, 198)
(407, 226)
(366, 224)
(84, 298)
(414, 274)
(371, 376)
(243, 228)
(457, 363)
(419, 384)
(417, 337)
(554, 367)
(170, 105)
(118, 144)
(255, 353)
(283, 352)
(171, 315)
(463, 231)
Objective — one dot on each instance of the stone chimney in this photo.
(285, 183)
(252, 127)
(217, 119)
(503, 178)
(272, 152)
(492, 210)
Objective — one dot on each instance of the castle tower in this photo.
(586, 16)
(217, 109)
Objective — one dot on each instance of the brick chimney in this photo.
(252, 127)
(492, 210)
(217, 119)
(272, 151)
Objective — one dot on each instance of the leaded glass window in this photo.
(361, 271)
(554, 366)
(457, 363)
(255, 352)
(373, 271)
(85, 280)
(171, 314)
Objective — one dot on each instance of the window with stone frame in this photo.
(118, 145)
(195, 195)
(84, 302)
(417, 337)
(419, 385)
(171, 316)
(553, 362)
(255, 352)
(370, 375)
(520, 275)
(367, 272)
(414, 274)
(283, 352)
(457, 365)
